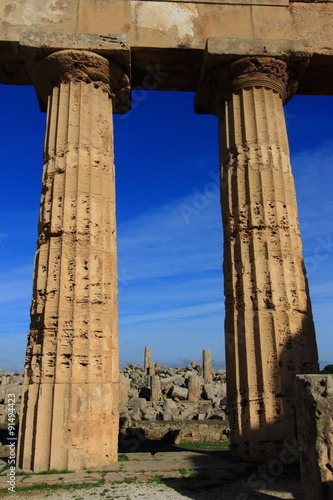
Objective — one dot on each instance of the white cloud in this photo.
(175, 296)
(170, 273)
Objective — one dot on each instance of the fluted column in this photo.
(69, 417)
(269, 329)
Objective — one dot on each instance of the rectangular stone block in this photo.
(314, 404)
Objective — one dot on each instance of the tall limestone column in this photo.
(269, 329)
(69, 417)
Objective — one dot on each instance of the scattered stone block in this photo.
(208, 391)
(179, 393)
(178, 380)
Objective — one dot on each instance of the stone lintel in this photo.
(36, 46)
(273, 3)
(242, 47)
(219, 52)
(107, 45)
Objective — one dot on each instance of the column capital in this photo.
(70, 65)
(254, 71)
(281, 74)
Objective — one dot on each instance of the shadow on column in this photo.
(217, 475)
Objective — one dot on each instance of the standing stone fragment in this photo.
(207, 365)
(194, 388)
(147, 359)
(124, 387)
(151, 368)
(155, 388)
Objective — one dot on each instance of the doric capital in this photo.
(254, 71)
(65, 66)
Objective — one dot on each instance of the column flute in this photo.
(69, 417)
(269, 329)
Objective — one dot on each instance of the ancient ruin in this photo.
(245, 59)
(155, 406)
(175, 402)
(314, 403)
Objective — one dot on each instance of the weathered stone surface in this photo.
(155, 26)
(155, 388)
(147, 359)
(166, 384)
(10, 384)
(107, 45)
(220, 390)
(314, 405)
(140, 403)
(150, 414)
(194, 388)
(70, 66)
(179, 392)
(124, 387)
(269, 330)
(190, 430)
(151, 368)
(70, 393)
(208, 391)
(207, 365)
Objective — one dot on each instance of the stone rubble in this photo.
(10, 383)
(164, 402)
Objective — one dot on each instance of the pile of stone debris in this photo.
(10, 383)
(172, 397)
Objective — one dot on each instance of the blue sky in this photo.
(168, 223)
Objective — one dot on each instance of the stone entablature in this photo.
(272, 3)
(153, 27)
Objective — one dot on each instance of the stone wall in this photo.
(314, 412)
(10, 383)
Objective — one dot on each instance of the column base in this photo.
(68, 426)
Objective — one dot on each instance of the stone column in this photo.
(269, 329)
(147, 359)
(207, 365)
(151, 368)
(194, 388)
(155, 388)
(69, 414)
